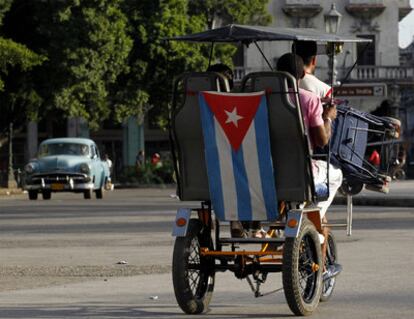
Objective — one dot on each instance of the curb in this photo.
(389, 201)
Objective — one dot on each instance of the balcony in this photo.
(383, 73)
(365, 73)
(302, 8)
(365, 9)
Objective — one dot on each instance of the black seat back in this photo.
(187, 136)
(288, 138)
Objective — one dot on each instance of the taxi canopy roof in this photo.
(247, 34)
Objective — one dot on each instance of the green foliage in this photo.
(108, 58)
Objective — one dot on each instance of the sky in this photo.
(407, 28)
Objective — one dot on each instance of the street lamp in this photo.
(332, 22)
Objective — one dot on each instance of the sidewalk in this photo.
(10, 191)
(401, 195)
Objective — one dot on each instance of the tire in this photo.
(33, 195)
(87, 193)
(328, 286)
(302, 270)
(193, 275)
(99, 193)
(46, 195)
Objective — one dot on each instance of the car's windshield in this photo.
(63, 149)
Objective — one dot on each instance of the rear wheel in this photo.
(331, 258)
(46, 195)
(193, 274)
(33, 195)
(302, 270)
(87, 193)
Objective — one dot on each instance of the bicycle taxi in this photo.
(245, 157)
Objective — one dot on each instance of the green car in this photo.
(67, 165)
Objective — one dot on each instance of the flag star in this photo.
(233, 117)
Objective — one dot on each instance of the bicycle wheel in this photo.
(302, 270)
(331, 258)
(193, 274)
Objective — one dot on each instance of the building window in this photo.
(366, 51)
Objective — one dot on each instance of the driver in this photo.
(307, 50)
(318, 124)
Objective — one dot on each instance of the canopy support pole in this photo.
(349, 215)
(264, 57)
(211, 54)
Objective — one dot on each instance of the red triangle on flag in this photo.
(234, 112)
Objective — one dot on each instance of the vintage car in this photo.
(67, 165)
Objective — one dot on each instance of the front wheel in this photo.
(46, 195)
(33, 194)
(331, 258)
(302, 270)
(193, 274)
(87, 193)
(99, 193)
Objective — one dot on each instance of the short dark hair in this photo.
(223, 69)
(292, 64)
(307, 50)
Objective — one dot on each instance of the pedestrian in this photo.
(140, 161)
(108, 162)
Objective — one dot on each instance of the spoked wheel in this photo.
(302, 270)
(193, 274)
(331, 258)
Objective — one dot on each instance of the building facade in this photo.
(379, 77)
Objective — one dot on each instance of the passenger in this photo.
(226, 72)
(318, 124)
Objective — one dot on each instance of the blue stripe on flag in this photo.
(212, 158)
(265, 160)
(244, 206)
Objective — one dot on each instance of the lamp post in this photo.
(332, 22)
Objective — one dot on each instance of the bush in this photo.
(148, 174)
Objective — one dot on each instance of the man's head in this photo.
(224, 70)
(307, 50)
(292, 64)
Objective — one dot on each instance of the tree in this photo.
(154, 61)
(87, 48)
(14, 58)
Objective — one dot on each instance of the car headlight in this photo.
(29, 168)
(84, 168)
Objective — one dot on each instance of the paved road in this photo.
(59, 260)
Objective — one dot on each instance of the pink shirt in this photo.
(311, 107)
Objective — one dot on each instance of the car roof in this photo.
(76, 140)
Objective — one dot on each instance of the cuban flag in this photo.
(238, 158)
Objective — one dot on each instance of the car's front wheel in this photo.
(99, 193)
(46, 195)
(87, 193)
(33, 195)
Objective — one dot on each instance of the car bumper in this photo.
(60, 183)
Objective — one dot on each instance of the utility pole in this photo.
(11, 181)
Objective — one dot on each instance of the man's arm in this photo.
(321, 134)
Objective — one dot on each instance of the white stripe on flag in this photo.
(226, 172)
(251, 161)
